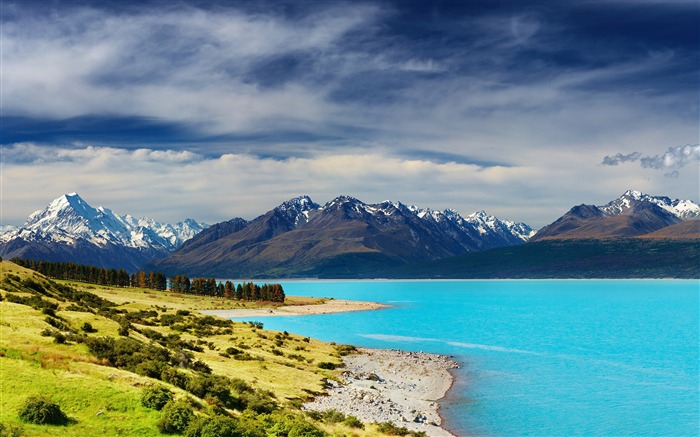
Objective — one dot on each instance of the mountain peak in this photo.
(297, 209)
(633, 194)
(71, 199)
(684, 209)
(69, 219)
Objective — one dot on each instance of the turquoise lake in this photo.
(539, 358)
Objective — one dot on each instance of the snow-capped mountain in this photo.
(300, 237)
(631, 215)
(684, 209)
(298, 209)
(69, 224)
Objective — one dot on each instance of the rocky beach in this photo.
(380, 385)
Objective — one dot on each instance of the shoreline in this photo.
(328, 307)
(388, 385)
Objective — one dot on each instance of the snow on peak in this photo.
(298, 209)
(684, 209)
(69, 218)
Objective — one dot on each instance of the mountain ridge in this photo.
(69, 229)
(633, 214)
(300, 236)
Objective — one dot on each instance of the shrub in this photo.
(216, 426)
(389, 428)
(49, 312)
(200, 366)
(232, 351)
(302, 428)
(333, 416)
(240, 386)
(124, 327)
(326, 365)
(156, 397)
(260, 402)
(41, 410)
(59, 338)
(345, 349)
(353, 422)
(174, 377)
(175, 418)
(87, 327)
(150, 368)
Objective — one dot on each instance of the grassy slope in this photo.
(102, 400)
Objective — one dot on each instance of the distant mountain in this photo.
(345, 236)
(633, 214)
(568, 259)
(69, 229)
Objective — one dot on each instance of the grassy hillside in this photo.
(95, 350)
(600, 258)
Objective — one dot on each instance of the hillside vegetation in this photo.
(110, 358)
(569, 259)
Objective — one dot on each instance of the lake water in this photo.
(540, 358)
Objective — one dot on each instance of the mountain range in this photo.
(345, 237)
(69, 229)
(633, 214)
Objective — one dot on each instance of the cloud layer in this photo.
(467, 105)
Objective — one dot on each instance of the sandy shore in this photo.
(330, 306)
(380, 385)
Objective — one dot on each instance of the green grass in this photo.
(96, 402)
(104, 400)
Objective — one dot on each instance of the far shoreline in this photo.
(330, 306)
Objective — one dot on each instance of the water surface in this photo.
(540, 358)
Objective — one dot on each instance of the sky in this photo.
(221, 109)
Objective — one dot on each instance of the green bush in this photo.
(87, 327)
(326, 365)
(232, 351)
(216, 426)
(332, 416)
(174, 377)
(175, 417)
(302, 428)
(41, 410)
(59, 338)
(353, 422)
(389, 428)
(156, 397)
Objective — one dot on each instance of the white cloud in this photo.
(672, 160)
(172, 185)
(181, 65)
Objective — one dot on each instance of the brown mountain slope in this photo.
(588, 221)
(687, 230)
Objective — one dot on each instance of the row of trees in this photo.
(154, 280)
(228, 290)
(95, 275)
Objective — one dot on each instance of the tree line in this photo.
(154, 280)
